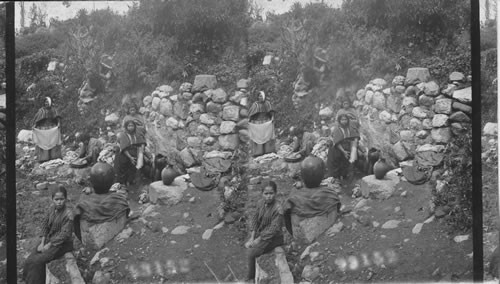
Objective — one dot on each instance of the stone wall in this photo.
(400, 117)
(199, 120)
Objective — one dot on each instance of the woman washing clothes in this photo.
(130, 158)
(344, 149)
(261, 126)
(47, 132)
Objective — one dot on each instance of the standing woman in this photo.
(47, 132)
(128, 160)
(261, 126)
(343, 153)
(56, 238)
(134, 115)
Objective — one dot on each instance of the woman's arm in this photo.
(131, 158)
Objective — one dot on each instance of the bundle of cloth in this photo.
(308, 203)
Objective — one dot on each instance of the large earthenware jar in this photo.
(312, 171)
(380, 168)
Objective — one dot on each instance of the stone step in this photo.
(277, 273)
(73, 273)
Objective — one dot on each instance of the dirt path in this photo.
(361, 251)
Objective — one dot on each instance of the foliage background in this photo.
(170, 42)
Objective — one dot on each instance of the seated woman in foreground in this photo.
(266, 227)
(56, 238)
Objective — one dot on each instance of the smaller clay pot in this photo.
(168, 175)
(380, 168)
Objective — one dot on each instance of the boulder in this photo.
(394, 102)
(440, 120)
(443, 106)
(400, 151)
(448, 91)
(462, 107)
(385, 116)
(200, 97)
(456, 76)
(229, 142)
(309, 229)
(207, 119)
(379, 189)
(490, 129)
(214, 130)
(165, 89)
(326, 112)
(237, 97)
(95, 236)
(187, 96)
(112, 118)
(194, 142)
(400, 89)
(441, 135)
(425, 100)
(214, 107)
(369, 96)
(415, 124)
(217, 154)
(204, 82)
(431, 89)
(422, 134)
(378, 101)
(187, 158)
(155, 103)
(219, 96)
(391, 224)
(398, 80)
(147, 100)
(243, 113)
(417, 75)
(459, 117)
(166, 107)
(227, 127)
(406, 135)
(167, 194)
(25, 136)
(457, 128)
(181, 109)
(180, 230)
(209, 141)
(419, 112)
(231, 113)
(196, 108)
(379, 82)
(172, 123)
(361, 94)
(430, 148)
(463, 95)
(409, 101)
(202, 130)
(71, 273)
(427, 124)
(185, 87)
(242, 83)
(244, 136)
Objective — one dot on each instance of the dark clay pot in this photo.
(312, 171)
(380, 169)
(168, 175)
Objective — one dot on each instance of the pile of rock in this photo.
(490, 143)
(411, 112)
(199, 120)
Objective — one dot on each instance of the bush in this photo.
(458, 194)
(37, 42)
